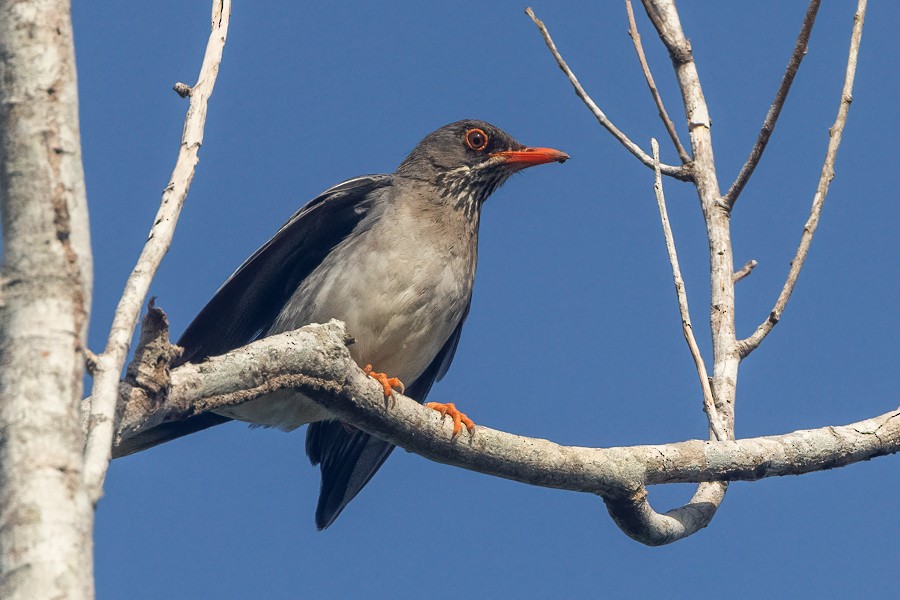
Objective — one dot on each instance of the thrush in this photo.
(392, 256)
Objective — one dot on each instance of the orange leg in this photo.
(459, 417)
(387, 383)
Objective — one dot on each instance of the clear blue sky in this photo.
(574, 333)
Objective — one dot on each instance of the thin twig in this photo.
(110, 363)
(750, 344)
(775, 110)
(745, 270)
(639, 48)
(681, 172)
(709, 406)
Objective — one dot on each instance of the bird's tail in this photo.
(167, 431)
(348, 459)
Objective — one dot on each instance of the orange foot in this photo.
(387, 383)
(459, 418)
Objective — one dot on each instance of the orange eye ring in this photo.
(476, 139)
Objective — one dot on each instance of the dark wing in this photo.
(349, 457)
(247, 304)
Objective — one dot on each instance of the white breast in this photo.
(401, 287)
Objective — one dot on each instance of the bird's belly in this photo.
(399, 308)
(285, 409)
(403, 345)
(399, 320)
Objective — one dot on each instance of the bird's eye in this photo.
(476, 139)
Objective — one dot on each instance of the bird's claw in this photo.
(459, 417)
(387, 383)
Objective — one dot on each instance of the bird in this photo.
(393, 256)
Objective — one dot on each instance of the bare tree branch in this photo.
(775, 110)
(726, 361)
(634, 516)
(749, 344)
(681, 173)
(709, 406)
(745, 270)
(110, 363)
(630, 510)
(703, 506)
(314, 361)
(663, 115)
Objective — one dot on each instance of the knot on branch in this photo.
(681, 53)
(149, 369)
(182, 89)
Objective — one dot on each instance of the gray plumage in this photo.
(394, 257)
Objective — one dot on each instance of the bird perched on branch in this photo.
(393, 256)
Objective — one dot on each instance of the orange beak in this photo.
(530, 157)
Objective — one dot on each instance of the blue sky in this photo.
(574, 332)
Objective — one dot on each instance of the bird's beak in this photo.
(530, 157)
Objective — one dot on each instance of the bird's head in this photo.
(468, 160)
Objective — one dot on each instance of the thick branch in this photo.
(775, 110)
(110, 363)
(750, 344)
(315, 361)
(677, 172)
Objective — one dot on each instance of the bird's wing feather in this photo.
(248, 302)
(348, 458)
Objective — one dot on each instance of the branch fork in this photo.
(631, 512)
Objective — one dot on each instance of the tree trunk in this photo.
(46, 518)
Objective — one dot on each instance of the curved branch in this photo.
(315, 361)
(751, 343)
(639, 521)
(682, 173)
(109, 364)
(775, 110)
